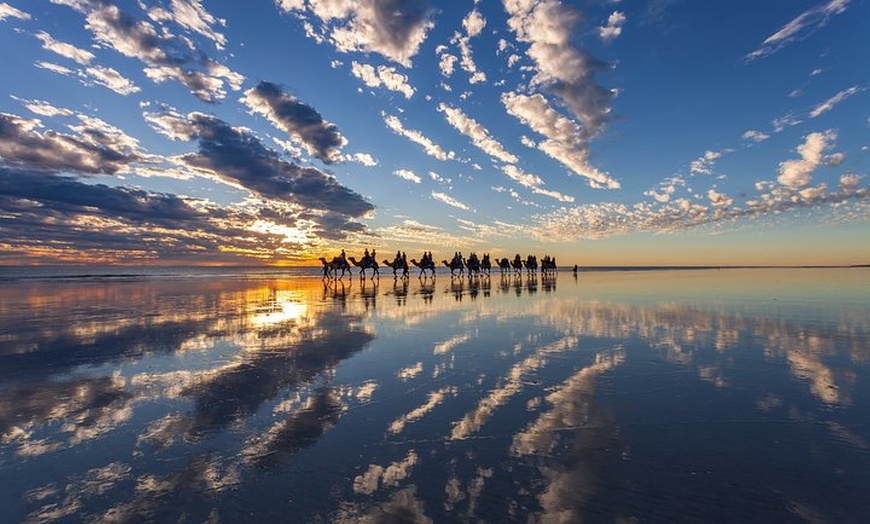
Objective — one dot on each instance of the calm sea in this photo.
(248, 395)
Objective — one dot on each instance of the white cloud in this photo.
(447, 64)
(479, 135)
(382, 76)
(432, 149)
(407, 175)
(829, 104)
(704, 164)
(108, 77)
(65, 50)
(449, 200)
(613, 28)
(474, 23)
(7, 11)
(755, 136)
(564, 140)
(363, 158)
(191, 15)
(533, 183)
(797, 173)
(799, 28)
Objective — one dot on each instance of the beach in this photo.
(235, 395)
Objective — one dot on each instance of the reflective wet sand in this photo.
(654, 396)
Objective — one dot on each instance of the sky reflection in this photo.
(505, 399)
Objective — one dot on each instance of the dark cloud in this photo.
(301, 121)
(93, 151)
(46, 216)
(239, 157)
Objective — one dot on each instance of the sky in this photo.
(601, 132)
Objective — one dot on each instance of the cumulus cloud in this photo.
(829, 104)
(449, 200)
(548, 26)
(363, 158)
(300, 121)
(564, 140)
(409, 175)
(166, 57)
(797, 173)
(667, 214)
(237, 157)
(394, 29)
(96, 148)
(704, 164)
(613, 28)
(383, 76)
(478, 134)
(432, 149)
(799, 28)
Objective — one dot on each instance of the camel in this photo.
(424, 266)
(473, 264)
(365, 263)
(517, 264)
(331, 267)
(504, 265)
(486, 264)
(454, 265)
(548, 265)
(531, 264)
(397, 265)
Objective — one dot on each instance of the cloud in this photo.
(7, 11)
(382, 76)
(564, 140)
(478, 134)
(408, 175)
(799, 28)
(166, 57)
(300, 121)
(547, 26)
(432, 149)
(65, 50)
(613, 28)
(449, 200)
(394, 29)
(363, 158)
(109, 78)
(192, 16)
(829, 104)
(755, 136)
(45, 217)
(791, 192)
(235, 156)
(798, 172)
(704, 164)
(534, 183)
(97, 148)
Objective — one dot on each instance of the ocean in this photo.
(250, 394)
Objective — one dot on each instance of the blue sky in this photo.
(601, 132)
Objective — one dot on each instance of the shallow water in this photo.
(654, 396)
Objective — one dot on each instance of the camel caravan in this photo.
(459, 265)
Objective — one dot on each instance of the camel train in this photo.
(459, 265)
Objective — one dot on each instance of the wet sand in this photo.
(648, 396)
